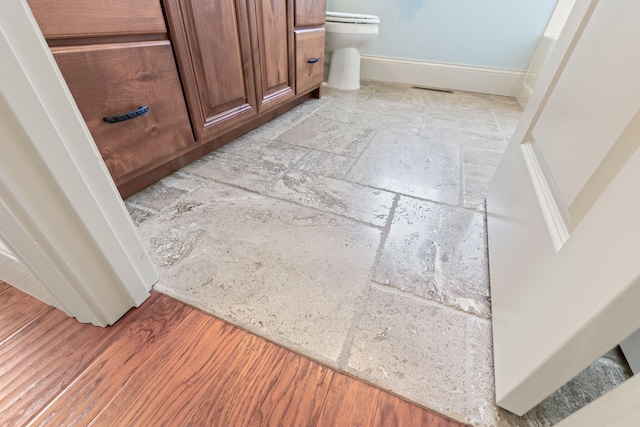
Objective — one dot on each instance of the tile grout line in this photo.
(392, 289)
(142, 207)
(357, 158)
(292, 202)
(343, 358)
(288, 169)
(204, 181)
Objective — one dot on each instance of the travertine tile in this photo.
(275, 127)
(255, 164)
(255, 260)
(480, 101)
(410, 164)
(384, 91)
(432, 101)
(478, 167)
(355, 96)
(328, 135)
(138, 215)
(300, 276)
(388, 115)
(339, 110)
(331, 195)
(290, 273)
(437, 252)
(479, 378)
(157, 196)
(460, 126)
(442, 127)
(325, 164)
(507, 123)
(181, 182)
(437, 356)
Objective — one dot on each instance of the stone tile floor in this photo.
(352, 230)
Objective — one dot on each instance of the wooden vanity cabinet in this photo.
(117, 58)
(236, 59)
(208, 71)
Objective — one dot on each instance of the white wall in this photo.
(485, 33)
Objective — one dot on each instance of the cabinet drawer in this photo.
(112, 79)
(310, 13)
(88, 18)
(309, 59)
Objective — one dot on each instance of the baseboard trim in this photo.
(495, 81)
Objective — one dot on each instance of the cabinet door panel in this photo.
(213, 49)
(273, 38)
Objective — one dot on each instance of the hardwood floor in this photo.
(167, 364)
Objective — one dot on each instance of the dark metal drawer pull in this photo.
(127, 116)
(313, 60)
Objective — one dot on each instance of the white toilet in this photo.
(346, 35)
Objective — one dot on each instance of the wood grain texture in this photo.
(168, 364)
(274, 56)
(213, 51)
(134, 339)
(309, 46)
(86, 18)
(140, 179)
(112, 79)
(19, 307)
(40, 360)
(344, 405)
(310, 13)
(391, 411)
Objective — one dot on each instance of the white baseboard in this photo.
(493, 81)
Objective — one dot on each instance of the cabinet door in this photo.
(272, 25)
(213, 50)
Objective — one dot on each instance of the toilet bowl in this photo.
(347, 34)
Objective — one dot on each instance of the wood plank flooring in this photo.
(168, 364)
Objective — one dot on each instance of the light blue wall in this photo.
(487, 33)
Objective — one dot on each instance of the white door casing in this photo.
(60, 212)
(563, 211)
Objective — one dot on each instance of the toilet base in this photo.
(344, 69)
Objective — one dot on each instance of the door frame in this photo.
(61, 215)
